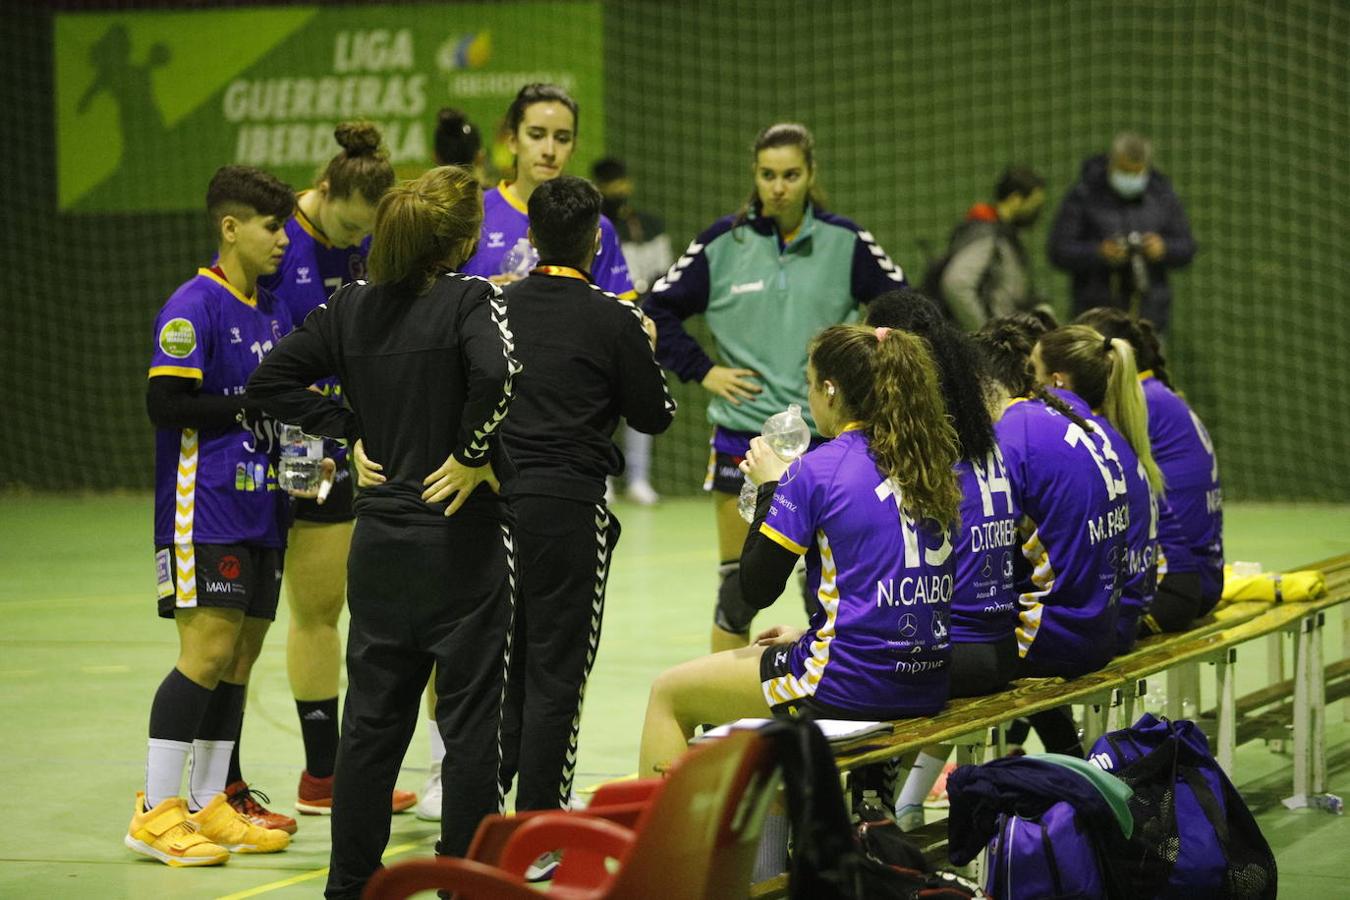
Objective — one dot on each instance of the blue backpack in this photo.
(1194, 837)
(1052, 818)
(1050, 855)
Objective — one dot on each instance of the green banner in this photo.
(149, 104)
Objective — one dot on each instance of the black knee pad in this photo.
(733, 614)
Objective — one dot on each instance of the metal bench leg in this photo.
(1225, 676)
(1309, 721)
(1317, 688)
(1345, 654)
(997, 745)
(1190, 692)
(1094, 719)
(1134, 694)
(1172, 704)
(1274, 675)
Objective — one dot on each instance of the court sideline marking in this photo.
(307, 876)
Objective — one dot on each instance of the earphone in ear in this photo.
(829, 390)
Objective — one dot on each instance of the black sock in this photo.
(221, 721)
(1057, 731)
(319, 729)
(234, 773)
(178, 708)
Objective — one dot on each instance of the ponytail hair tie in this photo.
(1106, 345)
(881, 333)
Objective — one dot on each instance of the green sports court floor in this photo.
(81, 652)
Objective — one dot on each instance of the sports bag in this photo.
(1194, 836)
(828, 861)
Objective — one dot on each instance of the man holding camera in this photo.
(1120, 230)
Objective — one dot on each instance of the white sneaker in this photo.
(429, 803)
(909, 818)
(542, 869)
(642, 493)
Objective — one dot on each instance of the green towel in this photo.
(1115, 792)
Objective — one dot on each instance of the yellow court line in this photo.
(599, 784)
(307, 876)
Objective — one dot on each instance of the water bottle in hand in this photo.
(301, 459)
(787, 435)
(520, 259)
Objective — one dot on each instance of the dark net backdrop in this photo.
(915, 106)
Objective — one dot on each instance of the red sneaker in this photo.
(245, 801)
(315, 797)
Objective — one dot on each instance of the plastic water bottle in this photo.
(301, 459)
(787, 435)
(520, 259)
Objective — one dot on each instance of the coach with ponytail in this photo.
(424, 355)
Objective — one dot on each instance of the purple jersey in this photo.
(309, 274)
(878, 641)
(217, 486)
(1075, 514)
(1139, 559)
(984, 598)
(1191, 525)
(505, 221)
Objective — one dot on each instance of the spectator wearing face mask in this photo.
(1120, 231)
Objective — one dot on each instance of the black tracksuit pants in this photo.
(418, 595)
(564, 549)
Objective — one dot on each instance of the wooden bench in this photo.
(1109, 696)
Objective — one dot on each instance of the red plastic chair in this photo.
(694, 836)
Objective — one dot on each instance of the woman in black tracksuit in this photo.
(424, 356)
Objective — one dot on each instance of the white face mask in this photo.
(1128, 185)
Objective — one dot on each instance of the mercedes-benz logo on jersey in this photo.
(1115, 556)
(939, 626)
(909, 625)
(988, 568)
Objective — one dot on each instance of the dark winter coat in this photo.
(1090, 213)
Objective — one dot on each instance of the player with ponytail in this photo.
(872, 512)
(1080, 362)
(330, 240)
(1190, 521)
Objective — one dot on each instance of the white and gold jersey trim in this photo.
(185, 500)
(786, 688)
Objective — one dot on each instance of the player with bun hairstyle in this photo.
(424, 356)
(1084, 365)
(219, 524)
(1190, 523)
(542, 123)
(984, 595)
(781, 251)
(871, 510)
(458, 142)
(330, 239)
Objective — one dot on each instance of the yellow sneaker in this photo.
(166, 834)
(220, 822)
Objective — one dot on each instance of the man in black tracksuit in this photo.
(586, 360)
